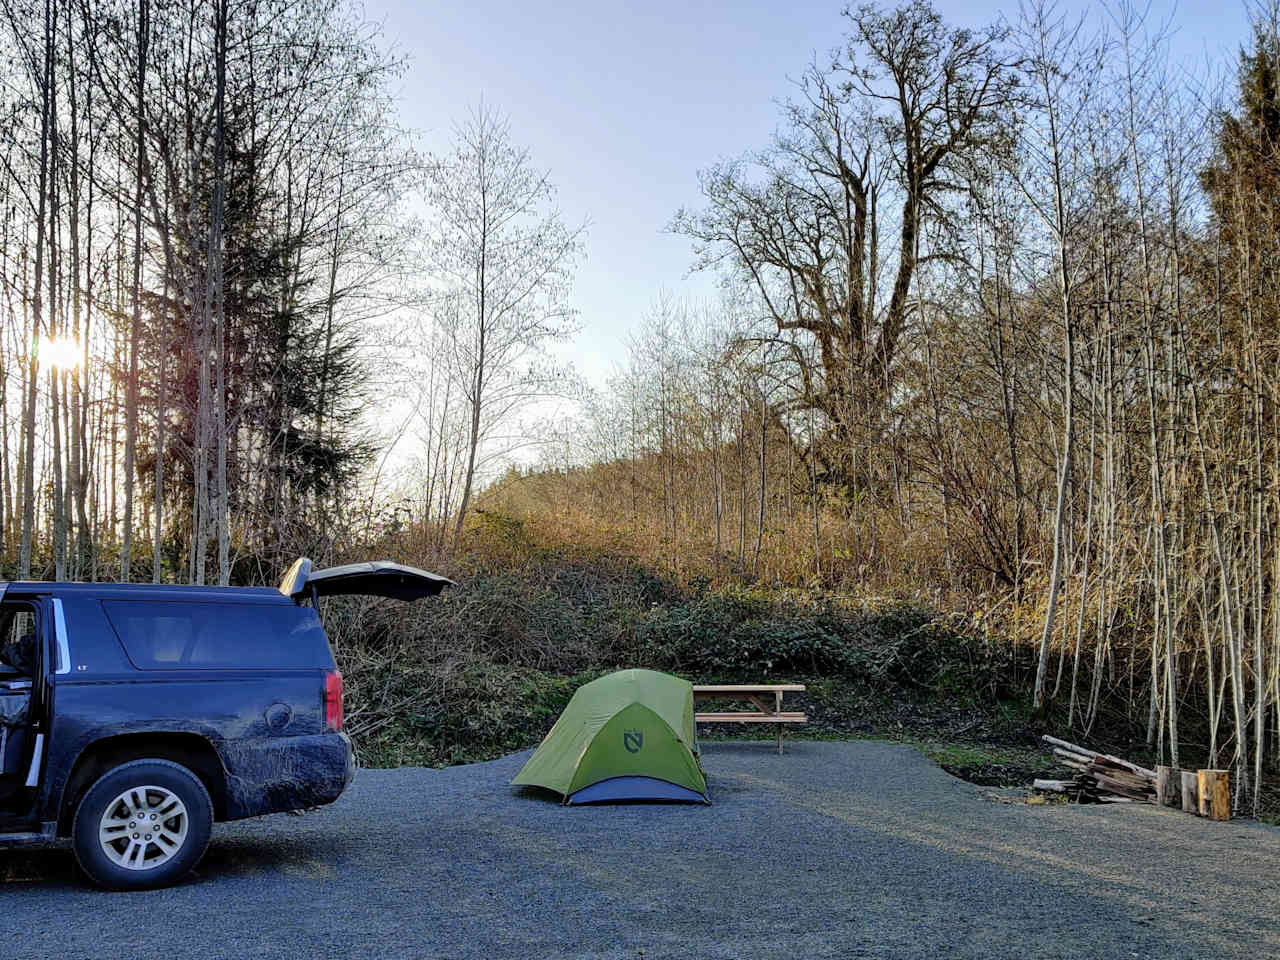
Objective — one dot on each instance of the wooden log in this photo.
(1166, 786)
(1072, 759)
(1190, 792)
(1125, 780)
(1082, 754)
(1074, 765)
(1052, 786)
(1140, 771)
(1065, 744)
(1076, 748)
(1120, 773)
(1214, 791)
(1124, 789)
(1070, 748)
(1068, 755)
(1100, 764)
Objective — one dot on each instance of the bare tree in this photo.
(1058, 64)
(503, 248)
(906, 99)
(40, 67)
(135, 327)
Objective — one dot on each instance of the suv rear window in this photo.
(177, 636)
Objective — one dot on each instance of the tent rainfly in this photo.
(626, 736)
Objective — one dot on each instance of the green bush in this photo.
(741, 631)
(487, 667)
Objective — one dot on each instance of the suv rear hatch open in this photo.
(377, 578)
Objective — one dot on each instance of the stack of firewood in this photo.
(1100, 778)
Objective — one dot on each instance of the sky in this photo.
(623, 103)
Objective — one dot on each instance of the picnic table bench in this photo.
(766, 697)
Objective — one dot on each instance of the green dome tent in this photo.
(626, 736)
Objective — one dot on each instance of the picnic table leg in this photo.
(778, 709)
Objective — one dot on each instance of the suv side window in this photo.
(17, 640)
(185, 636)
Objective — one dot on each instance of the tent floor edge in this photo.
(615, 789)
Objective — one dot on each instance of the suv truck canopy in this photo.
(378, 578)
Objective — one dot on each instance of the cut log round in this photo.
(1166, 786)
(1214, 790)
(1190, 792)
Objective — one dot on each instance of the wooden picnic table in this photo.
(765, 697)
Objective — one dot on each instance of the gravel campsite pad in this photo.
(835, 849)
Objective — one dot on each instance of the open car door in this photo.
(19, 673)
(377, 578)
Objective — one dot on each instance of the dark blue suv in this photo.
(134, 716)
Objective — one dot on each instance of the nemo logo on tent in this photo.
(633, 740)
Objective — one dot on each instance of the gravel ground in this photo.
(834, 850)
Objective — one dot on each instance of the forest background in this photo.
(978, 436)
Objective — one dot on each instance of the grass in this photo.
(990, 764)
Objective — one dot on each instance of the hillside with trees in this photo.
(982, 429)
(998, 334)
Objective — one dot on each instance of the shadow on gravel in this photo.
(754, 748)
(53, 867)
(538, 795)
(248, 855)
(721, 787)
(242, 857)
(238, 857)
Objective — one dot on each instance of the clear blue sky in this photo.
(625, 102)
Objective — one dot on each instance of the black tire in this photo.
(170, 863)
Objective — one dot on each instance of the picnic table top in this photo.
(748, 687)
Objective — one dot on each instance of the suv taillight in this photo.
(333, 700)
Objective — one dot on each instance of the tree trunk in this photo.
(33, 363)
(764, 422)
(1069, 346)
(223, 515)
(135, 327)
(477, 392)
